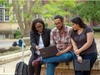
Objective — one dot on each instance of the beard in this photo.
(60, 28)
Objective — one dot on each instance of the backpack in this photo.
(21, 68)
(14, 44)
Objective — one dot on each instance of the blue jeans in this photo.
(52, 62)
(50, 68)
(92, 57)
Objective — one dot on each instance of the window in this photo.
(6, 35)
(6, 15)
(1, 15)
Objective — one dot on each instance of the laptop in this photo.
(48, 51)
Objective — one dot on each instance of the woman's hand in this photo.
(37, 47)
(60, 53)
(77, 51)
(79, 58)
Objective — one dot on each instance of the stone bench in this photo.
(63, 69)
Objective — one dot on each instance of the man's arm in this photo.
(64, 51)
(67, 49)
(52, 42)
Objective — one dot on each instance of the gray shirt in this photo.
(81, 39)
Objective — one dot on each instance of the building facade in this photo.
(7, 29)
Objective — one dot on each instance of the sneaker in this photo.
(36, 62)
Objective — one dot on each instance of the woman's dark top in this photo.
(81, 39)
(34, 39)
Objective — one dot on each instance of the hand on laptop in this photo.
(37, 47)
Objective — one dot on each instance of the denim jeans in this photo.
(66, 57)
(92, 57)
(52, 62)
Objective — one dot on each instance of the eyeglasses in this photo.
(39, 27)
(58, 23)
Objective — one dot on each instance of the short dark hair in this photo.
(78, 20)
(59, 16)
(34, 22)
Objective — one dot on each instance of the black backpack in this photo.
(21, 68)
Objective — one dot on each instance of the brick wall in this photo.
(63, 69)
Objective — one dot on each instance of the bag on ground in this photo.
(21, 68)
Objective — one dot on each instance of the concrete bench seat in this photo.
(63, 69)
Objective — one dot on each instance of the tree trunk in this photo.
(24, 15)
(24, 22)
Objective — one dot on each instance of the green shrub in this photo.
(68, 24)
(51, 26)
(96, 29)
(97, 34)
(46, 25)
(18, 34)
(2, 50)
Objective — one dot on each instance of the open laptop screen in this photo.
(48, 51)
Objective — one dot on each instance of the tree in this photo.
(57, 7)
(25, 10)
(90, 10)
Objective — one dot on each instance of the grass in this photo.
(97, 35)
(51, 26)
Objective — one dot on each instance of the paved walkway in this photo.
(9, 68)
(98, 45)
(8, 62)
